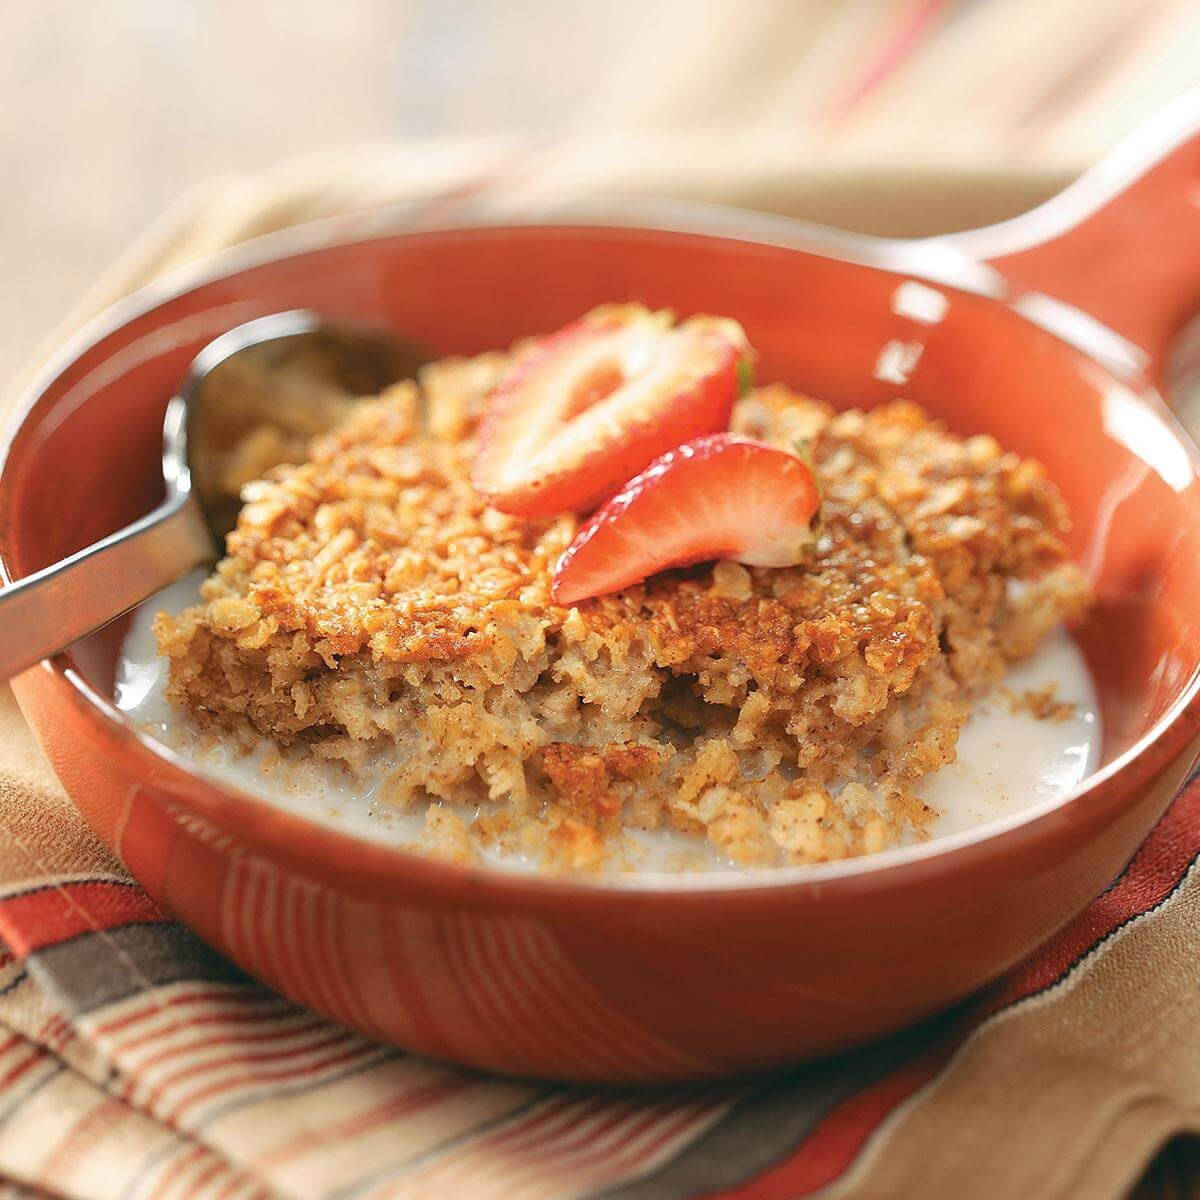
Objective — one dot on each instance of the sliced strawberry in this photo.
(592, 404)
(720, 496)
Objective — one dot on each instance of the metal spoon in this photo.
(289, 373)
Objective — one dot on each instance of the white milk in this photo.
(1006, 761)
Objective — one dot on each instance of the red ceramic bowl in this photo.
(648, 977)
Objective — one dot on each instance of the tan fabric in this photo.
(1080, 1086)
(1067, 1093)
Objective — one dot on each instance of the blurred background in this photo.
(901, 116)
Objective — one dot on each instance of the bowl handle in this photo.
(1122, 243)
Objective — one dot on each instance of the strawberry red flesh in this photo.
(592, 404)
(720, 496)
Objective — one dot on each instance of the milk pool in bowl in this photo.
(1008, 757)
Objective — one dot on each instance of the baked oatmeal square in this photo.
(374, 610)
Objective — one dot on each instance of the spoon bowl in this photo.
(303, 375)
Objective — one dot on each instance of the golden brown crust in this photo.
(372, 603)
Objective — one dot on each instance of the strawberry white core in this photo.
(586, 408)
(570, 414)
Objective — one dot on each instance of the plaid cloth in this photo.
(136, 1063)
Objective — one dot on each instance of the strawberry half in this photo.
(720, 496)
(592, 404)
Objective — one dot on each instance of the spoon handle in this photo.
(46, 611)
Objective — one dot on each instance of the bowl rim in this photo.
(921, 259)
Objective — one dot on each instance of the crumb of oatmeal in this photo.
(446, 835)
(1041, 703)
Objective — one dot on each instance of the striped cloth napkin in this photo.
(135, 1063)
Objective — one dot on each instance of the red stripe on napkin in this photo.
(31, 921)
